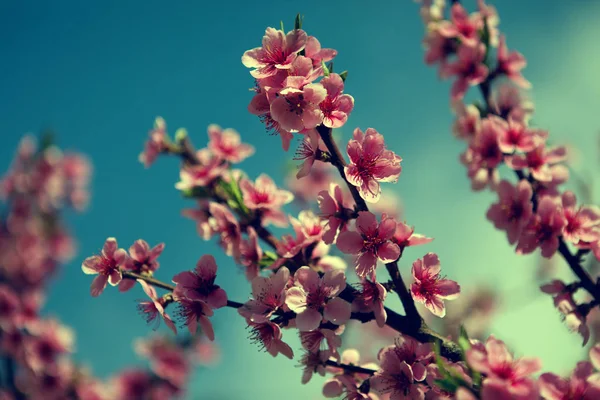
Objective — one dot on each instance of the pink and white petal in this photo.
(115, 277)
(98, 285)
(207, 328)
(335, 280)
(337, 311)
(432, 263)
(126, 284)
(296, 299)
(366, 264)
(90, 265)
(217, 298)
(206, 267)
(169, 322)
(388, 252)
(448, 289)
(436, 306)
(308, 278)
(349, 242)
(308, 320)
(149, 290)
(110, 246)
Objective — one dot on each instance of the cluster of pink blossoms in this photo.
(534, 212)
(297, 284)
(37, 364)
(288, 99)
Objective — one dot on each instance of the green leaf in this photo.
(298, 22)
(281, 25)
(463, 340)
(180, 135)
(344, 75)
(447, 385)
(325, 69)
(330, 67)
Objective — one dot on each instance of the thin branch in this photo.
(399, 323)
(337, 159)
(573, 260)
(350, 368)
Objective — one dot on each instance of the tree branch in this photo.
(399, 323)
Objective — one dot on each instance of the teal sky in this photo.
(98, 73)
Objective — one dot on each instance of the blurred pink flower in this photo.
(227, 144)
(429, 288)
(371, 163)
(106, 265)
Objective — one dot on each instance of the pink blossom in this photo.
(513, 210)
(405, 236)
(429, 288)
(565, 304)
(583, 222)
(469, 69)
(227, 145)
(142, 260)
(396, 377)
(156, 144)
(263, 194)
(504, 376)
(199, 284)
(311, 226)
(132, 384)
(483, 156)
(540, 162)
(268, 296)
(468, 121)
(319, 339)
(251, 254)
(224, 223)
(152, 309)
(261, 106)
(278, 51)
(439, 47)
(331, 204)
(371, 163)
(371, 242)
(317, 54)
(268, 335)
(298, 109)
(417, 355)
(194, 312)
(509, 102)
(46, 343)
(107, 265)
(576, 387)
(462, 26)
(302, 73)
(307, 189)
(313, 362)
(202, 217)
(511, 64)
(309, 152)
(336, 105)
(209, 168)
(312, 295)
(372, 298)
(543, 229)
(516, 136)
(167, 359)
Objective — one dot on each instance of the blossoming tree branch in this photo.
(300, 282)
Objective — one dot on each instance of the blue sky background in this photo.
(99, 72)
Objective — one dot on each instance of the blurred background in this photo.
(98, 73)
